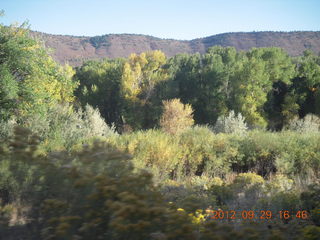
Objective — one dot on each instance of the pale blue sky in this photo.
(178, 19)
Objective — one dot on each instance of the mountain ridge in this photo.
(77, 49)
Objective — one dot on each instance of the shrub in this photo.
(298, 154)
(288, 200)
(6, 128)
(153, 150)
(97, 194)
(205, 152)
(310, 123)
(196, 144)
(311, 202)
(250, 184)
(248, 180)
(58, 129)
(92, 194)
(257, 152)
(231, 124)
(279, 183)
(311, 233)
(63, 127)
(205, 182)
(95, 124)
(176, 116)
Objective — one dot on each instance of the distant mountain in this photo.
(75, 50)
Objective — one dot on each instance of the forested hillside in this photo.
(219, 145)
(76, 50)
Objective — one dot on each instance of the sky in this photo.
(175, 19)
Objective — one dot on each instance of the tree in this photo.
(250, 86)
(281, 70)
(218, 66)
(302, 96)
(32, 81)
(176, 116)
(100, 84)
(259, 82)
(141, 74)
(8, 93)
(308, 84)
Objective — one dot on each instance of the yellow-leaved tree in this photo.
(176, 116)
(141, 74)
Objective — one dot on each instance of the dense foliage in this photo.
(193, 141)
(99, 193)
(268, 87)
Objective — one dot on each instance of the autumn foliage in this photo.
(176, 116)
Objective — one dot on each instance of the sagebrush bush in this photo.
(6, 128)
(258, 151)
(196, 151)
(231, 124)
(63, 126)
(25, 177)
(95, 125)
(310, 123)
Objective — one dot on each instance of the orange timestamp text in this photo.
(254, 214)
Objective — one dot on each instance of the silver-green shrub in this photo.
(63, 126)
(95, 124)
(310, 123)
(6, 128)
(231, 124)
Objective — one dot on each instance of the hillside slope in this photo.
(75, 50)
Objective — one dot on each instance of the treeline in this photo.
(268, 87)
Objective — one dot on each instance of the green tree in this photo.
(259, 84)
(281, 70)
(8, 93)
(308, 84)
(302, 95)
(31, 78)
(250, 85)
(100, 86)
(218, 66)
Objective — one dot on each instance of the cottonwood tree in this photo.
(176, 116)
(141, 74)
(31, 81)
